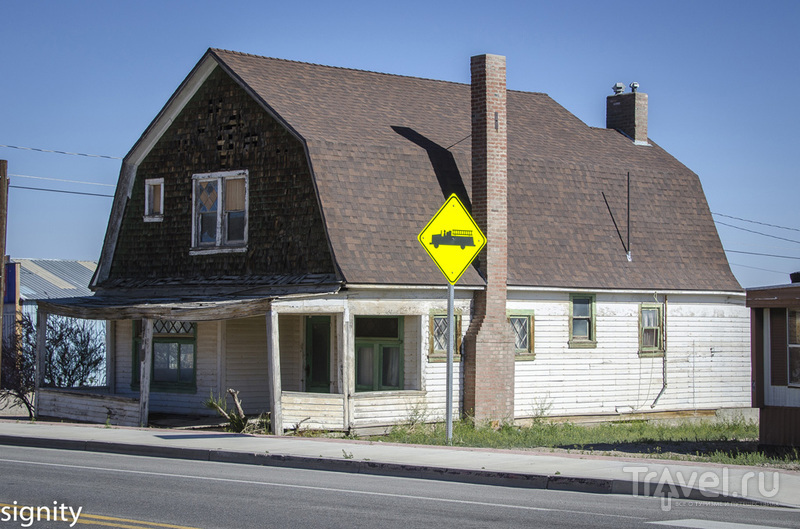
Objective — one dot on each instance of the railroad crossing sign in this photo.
(452, 239)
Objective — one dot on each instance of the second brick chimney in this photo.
(489, 346)
(627, 113)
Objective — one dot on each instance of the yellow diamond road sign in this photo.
(452, 239)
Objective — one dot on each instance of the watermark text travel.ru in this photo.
(26, 515)
(709, 484)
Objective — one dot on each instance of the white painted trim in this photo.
(359, 286)
(220, 246)
(217, 249)
(155, 217)
(171, 110)
(628, 291)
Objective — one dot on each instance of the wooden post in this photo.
(347, 353)
(3, 221)
(111, 356)
(274, 363)
(41, 357)
(145, 367)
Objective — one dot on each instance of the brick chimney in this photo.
(489, 346)
(627, 112)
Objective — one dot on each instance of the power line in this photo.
(60, 152)
(755, 222)
(61, 180)
(61, 191)
(757, 232)
(763, 254)
(757, 268)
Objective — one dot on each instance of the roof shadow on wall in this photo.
(443, 163)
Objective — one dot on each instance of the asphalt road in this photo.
(140, 492)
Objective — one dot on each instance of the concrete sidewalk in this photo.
(533, 469)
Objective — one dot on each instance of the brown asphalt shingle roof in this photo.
(385, 152)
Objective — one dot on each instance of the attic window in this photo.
(219, 202)
(154, 200)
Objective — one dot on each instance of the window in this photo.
(794, 347)
(219, 212)
(437, 351)
(154, 200)
(651, 329)
(173, 356)
(379, 353)
(522, 328)
(582, 321)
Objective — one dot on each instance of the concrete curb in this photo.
(482, 477)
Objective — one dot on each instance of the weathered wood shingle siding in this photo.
(222, 128)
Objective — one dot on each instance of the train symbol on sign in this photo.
(462, 238)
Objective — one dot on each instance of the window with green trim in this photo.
(174, 355)
(582, 318)
(522, 329)
(379, 353)
(651, 328)
(438, 337)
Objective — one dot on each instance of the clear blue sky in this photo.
(722, 79)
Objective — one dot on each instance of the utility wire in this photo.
(61, 180)
(61, 191)
(757, 268)
(755, 222)
(763, 254)
(61, 152)
(758, 232)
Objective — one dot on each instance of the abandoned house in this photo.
(263, 237)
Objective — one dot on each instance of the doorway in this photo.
(318, 354)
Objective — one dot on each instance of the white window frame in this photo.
(148, 200)
(221, 245)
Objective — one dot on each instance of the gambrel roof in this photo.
(386, 150)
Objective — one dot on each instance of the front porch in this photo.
(307, 364)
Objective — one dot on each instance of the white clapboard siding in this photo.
(246, 368)
(291, 345)
(312, 411)
(708, 360)
(384, 408)
(88, 407)
(436, 386)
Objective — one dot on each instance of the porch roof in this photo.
(210, 307)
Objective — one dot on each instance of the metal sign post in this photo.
(451, 341)
(453, 240)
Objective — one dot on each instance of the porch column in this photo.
(274, 363)
(41, 357)
(111, 356)
(348, 355)
(145, 367)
